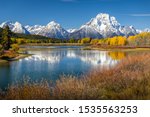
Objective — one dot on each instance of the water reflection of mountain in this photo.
(48, 56)
(94, 58)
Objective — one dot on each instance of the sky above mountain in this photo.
(74, 13)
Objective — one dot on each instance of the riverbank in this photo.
(52, 44)
(89, 47)
(3, 61)
(20, 56)
(130, 79)
(117, 48)
(93, 47)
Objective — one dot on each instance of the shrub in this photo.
(142, 39)
(1, 49)
(29, 90)
(85, 40)
(21, 41)
(15, 47)
(94, 41)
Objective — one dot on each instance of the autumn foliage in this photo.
(142, 39)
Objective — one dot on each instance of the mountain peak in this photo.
(8, 23)
(18, 24)
(103, 19)
(103, 15)
(105, 24)
(18, 28)
(53, 23)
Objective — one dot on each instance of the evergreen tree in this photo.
(6, 38)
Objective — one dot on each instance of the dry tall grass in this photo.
(28, 90)
(130, 79)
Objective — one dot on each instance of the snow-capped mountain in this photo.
(34, 29)
(15, 27)
(85, 31)
(102, 26)
(128, 30)
(8, 23)
(147, 30)
(18, 28)
(53, 30)
(105, 25)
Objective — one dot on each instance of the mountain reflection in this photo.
(94, 58)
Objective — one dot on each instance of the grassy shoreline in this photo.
(3, 61)
(53, 44)
(20, 56)
(116, 48)
(130, 79)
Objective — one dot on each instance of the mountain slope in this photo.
(128, 30)
(85, 31)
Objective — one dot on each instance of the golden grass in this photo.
(130, 79)
(29, 90)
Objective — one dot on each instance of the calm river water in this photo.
(52, 62)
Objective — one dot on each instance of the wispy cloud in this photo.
(140, 15)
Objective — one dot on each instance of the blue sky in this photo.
(74, 13)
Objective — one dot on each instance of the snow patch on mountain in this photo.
(71, 30)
